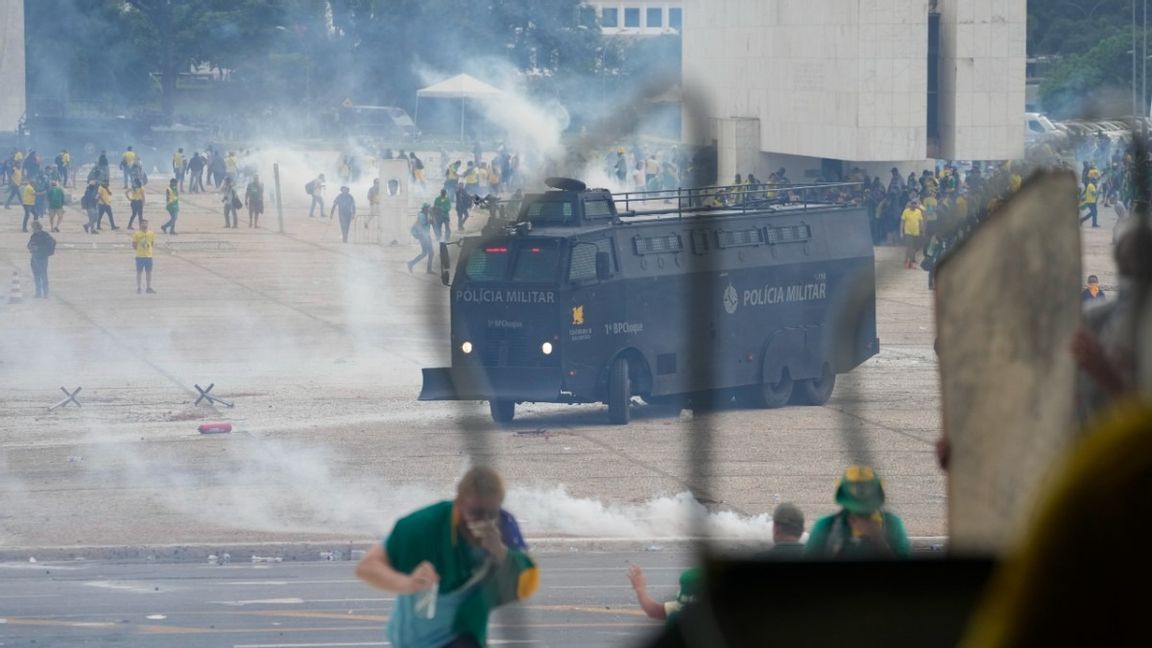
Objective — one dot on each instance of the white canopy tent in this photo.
(462, 87)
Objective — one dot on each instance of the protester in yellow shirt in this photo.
(135, 197)
(142, 242)
(126, 162)
(1088, 201)
(14, 181)
(104, 206)
(912, 227)
(28, 201)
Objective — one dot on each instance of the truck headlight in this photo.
(546, 348)
(466, 347)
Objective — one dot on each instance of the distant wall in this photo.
(13, 100)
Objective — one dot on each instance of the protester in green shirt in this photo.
(690, 584)
(55, 206)
(451, 564)
(861, 530)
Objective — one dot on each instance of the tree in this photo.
(218, 32)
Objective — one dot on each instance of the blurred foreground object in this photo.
(1007, 306)
(1072, 583)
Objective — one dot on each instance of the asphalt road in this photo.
(585, 600)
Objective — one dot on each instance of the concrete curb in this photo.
(346, 550)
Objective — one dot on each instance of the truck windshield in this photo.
(534, 261)
(551, 212)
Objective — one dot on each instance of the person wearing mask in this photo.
(1092, 291)
(135, 197)
(450, 564)
(861, 529)
(345, 205)
(41, 245)
(172, 205)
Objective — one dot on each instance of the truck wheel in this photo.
(768, 395)
(503, 411)
(619, 392)
(816, 391)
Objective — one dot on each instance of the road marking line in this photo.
(272, 601)
(123, 586)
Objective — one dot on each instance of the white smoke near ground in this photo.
(553, 511)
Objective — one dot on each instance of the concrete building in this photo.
(638, 18)
(13, 99)
(816, 85)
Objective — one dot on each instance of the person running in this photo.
(254, 200)
(142, 242)
(346, 205)
(231, 202)
(442, 210)
(15, 185)
(450, 565)
(135, 197)
(41, 245)
(64, 166)
(55, 206)
(1088, 201)
(423, 236)
(104, 203)
(172, 204)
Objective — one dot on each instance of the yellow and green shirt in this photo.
(142, 241)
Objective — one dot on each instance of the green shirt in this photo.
(432, 534)
(56, 198)
(831, 537)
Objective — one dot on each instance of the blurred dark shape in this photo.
(913, 604)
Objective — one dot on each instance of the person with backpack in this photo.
(41, 245)
(315, 188)
(861, 529)
(420, 232)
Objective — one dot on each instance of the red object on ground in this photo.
(215, 428)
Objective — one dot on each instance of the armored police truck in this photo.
(585, 297)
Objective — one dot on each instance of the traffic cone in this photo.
(15, 295)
